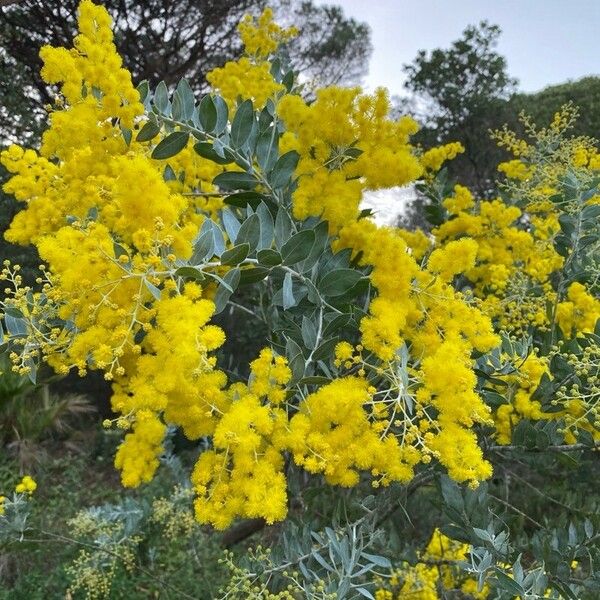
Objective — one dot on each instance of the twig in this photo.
(555, 448)
(518, 511)
(421, 479)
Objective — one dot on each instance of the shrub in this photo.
(393, 359)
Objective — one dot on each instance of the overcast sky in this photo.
(544, 41)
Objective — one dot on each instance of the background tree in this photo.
(458, 94)
(542, 105)
(163, 40)
(331, 49)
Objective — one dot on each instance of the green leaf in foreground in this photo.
(171, 145)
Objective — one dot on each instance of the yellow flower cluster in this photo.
(509, 260)
(579, 312)
(27, 486)
(91, 75)
(242, 476)
(262, 36)
(442, 330)
(460, 201)
(173, 376)
(332, 433)
(457, 256)
(434, 158)
(347, 144)
(245, 79)
(510, 263)
(106, 222)
(112, 230)
(520, 386)
(522, 383)
(515, 169)
(538, 166)
(250, 77)
(434, 574)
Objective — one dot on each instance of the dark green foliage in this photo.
(541, 106)
(464, 89)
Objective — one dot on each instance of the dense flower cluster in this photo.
(508, 259)
(111, 227)
(250, 77)
(243, 474)
(117, 227)
(107, 223)
(348, 144)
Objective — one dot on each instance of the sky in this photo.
(544, 41)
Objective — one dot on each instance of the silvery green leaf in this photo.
(203, 248)
(309, 332)
(267, 227)
(321, 239)
(161, 99)
(231, 224)
(235, 255)
(223, 293)
(338, 282)
(267, 149)
(235, 180)
(190, 273)
(207, 114)
(250, 232)
(380, 561)
(207, 150)
(241, 126)
(143, 88)
(298, 247)
(323, 562)
(283, 170)
(149, 131)
(288, 295)
(186, 98)
(171, 145)
(222, 114)
(268, 257)
(15, 326)
(152, 289)
(283, 227)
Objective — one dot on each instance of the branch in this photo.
(412, 486)
(240, 532)
(556, 448)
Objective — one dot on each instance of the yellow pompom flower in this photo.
(27, 485)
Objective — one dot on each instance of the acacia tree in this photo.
(393, 359)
